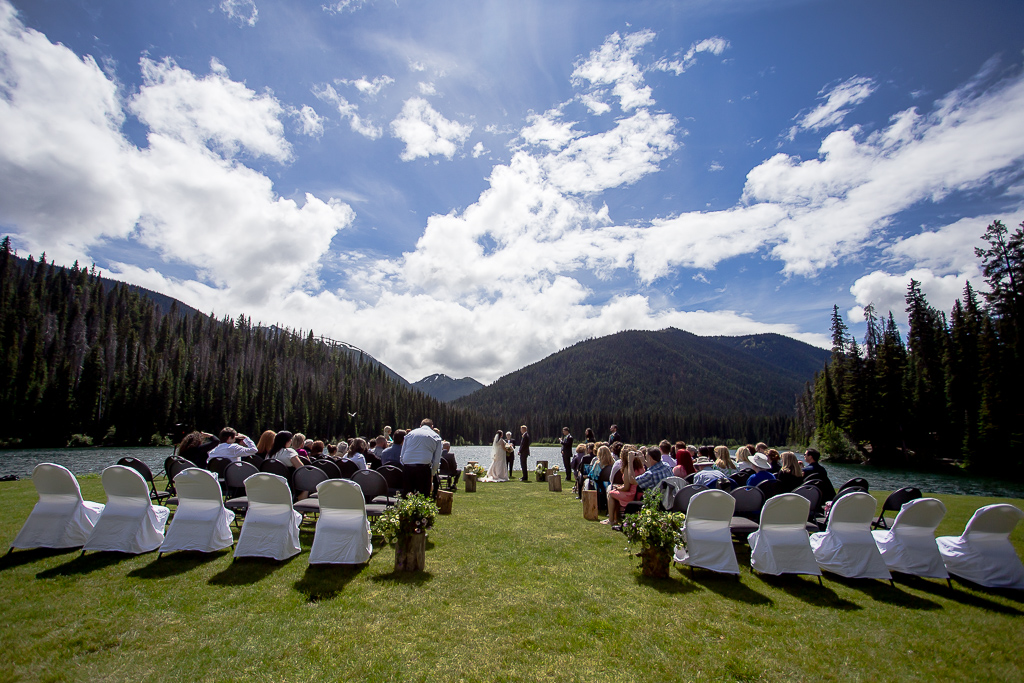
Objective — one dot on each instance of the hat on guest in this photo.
(760, 461)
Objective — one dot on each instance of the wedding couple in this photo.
(501, 455)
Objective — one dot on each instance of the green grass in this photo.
(518, 587)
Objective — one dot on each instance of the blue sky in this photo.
(467, 187)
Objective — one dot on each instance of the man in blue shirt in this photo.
(656, 471)
(421, 456)
(392, 455)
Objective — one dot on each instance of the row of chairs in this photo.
(848, 547)
(131, 523)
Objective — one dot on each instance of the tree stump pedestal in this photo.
(470, 480)
(554, 482)
(654, 562)
(590, 505)
(444, 502)
(411, 553)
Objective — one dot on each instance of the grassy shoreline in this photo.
(518, 587)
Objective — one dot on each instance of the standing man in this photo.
(524, 451)
(566, 442)
(616, 435)
(421, 456)
(510, 453)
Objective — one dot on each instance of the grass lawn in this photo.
(518, 587)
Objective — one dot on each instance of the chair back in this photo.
(218, 465)
(347, 468)
(749, 501)
(606, 473)
(587, 459)
(855, 509)
(858, 482)
(174, 465)
(268, 489)
(898, 498)
(125, 482)
(53, 480)
(811, 493)
(236, 474)
(847, 491)
(921, 516)
(330, 469)
(392, 475)
(139, 466)
(725, 484)
(711, 505)
(997, 519)
(689, 477)
(618, 478)
(770, 488)
(372, 483)
(307, 477)
(741, 476)
(340, 494)
(276, 467)
(684, 495)
(785, 509)
(197, 484)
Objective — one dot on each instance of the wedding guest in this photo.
(708, 477)
(811, 465)
(773, 460)
(387, 434)
(656, 471)
(620, 458)
(622, 494)
(684, 461)
(762, 470)
(392, 455)
(604, 459)
(342, 448)
(742, 459)
(228, 448)
(332, 450)
(577, 462)
(196, 447)
(357, 453)
(316, 450)
(666, 453)
(791, 473)
(761, 447)
(589, 436)
(421, 457)
(380, 444)
(723, 462)
(283, 452)
(298, 441)
(265, 443)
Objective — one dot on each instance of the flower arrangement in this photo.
(476, 469)
(510, 448)
(410, 515)
(555, 470)
(541, 469)
(653, 528)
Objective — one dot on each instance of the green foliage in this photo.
(833, 444)
(653, 527)
(410, 515)
(79, 441)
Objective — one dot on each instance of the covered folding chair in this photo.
(147, 474)
(909, 546)
(61, 518)
(781, 544)
(984, 554)
(683, 497)
(894, 503)
(669, 487)
(201, 522)
(343, 530)
(129, 523)
(271, 527)
(708, 542)
(846, 547)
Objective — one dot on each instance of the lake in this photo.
(93, 460)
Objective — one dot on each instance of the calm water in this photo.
(93, 460)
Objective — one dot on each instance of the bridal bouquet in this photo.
(510, 448)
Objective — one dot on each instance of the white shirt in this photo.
(422, 447)
(285, 455)
(234, 451)
(358, 459)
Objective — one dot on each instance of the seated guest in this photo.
(392, 455)
(342, 448)
(379, 445)
(684, 461)
(357, 453)
(705, 458)
(743, 459)
(723, 462)
(620, 495)
(265, 443)
(577, 459)
(773, 459)
(196, 447)
(316, 450)
(332, 450)
(228, 448)
(708, 477)
(620, 460)
(791, 473)
(656, 471)
(283, 453)
(593, 470)
(666, 453)
(811, 465)
(298, 445)
(762, 470)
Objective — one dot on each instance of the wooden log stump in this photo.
(590, 505)
(444, 502)
(654, 562)
(470, 480)
(554, 482)
(411, 553)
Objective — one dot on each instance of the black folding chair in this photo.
(305, 480)
(749, 501)
(147, 474)
(172, 466)
(332, 470)
(856, 481)
(375, 490)
(683, 496)
(741, 476)
(394, 477)
(234, 487)
(770, 487)
(348, 468)
(894, 503)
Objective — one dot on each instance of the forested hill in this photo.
(668, 383)
(82, 356)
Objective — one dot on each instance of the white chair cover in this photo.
(61, 519)
(781, 545)
(847, 547)
(129, 523)
(670, 486)
(271, 526)
(201, 521)
(342, 531)
(909, 546)
(706, 533)
(984, 554)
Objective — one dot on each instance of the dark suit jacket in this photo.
(567, 445)
(524, 444)
(616, 436)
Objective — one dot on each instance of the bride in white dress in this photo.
(499, 469)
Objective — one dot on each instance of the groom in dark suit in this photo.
(524, 451)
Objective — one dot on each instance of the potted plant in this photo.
(657, 532)
(407, 522)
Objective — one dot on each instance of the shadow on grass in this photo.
(727, 585)
(668, 586)
(882, 591)
(23, 557)
(245, 571)
(807, 589)
(325, 581)
(85, 564)
(942, 590)
(176, 563)
(404, 578)
(1008, 593)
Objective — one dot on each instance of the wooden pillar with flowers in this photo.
(406, 523)
(657, 533)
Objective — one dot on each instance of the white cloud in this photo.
(479, 151)
(366, 87)
(613, 64)
(715, 166)
(715, 46)
(417, 66)
(887, 292)
(547, 130)
(347, 110)
(426, 132)
(242, 11)
(595, 104)
(838, 103)
(426, 88)
(311, 123)
(340, 6)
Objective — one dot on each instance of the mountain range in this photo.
(445, 388)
